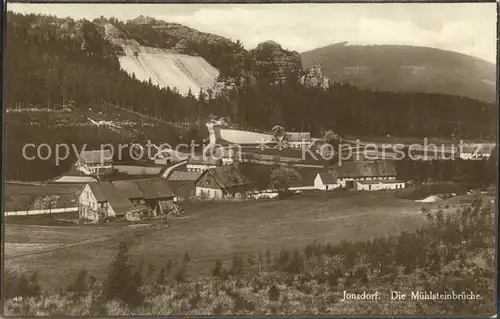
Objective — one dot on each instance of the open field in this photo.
(214, 230)
(19, 196)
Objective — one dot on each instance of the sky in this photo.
(466, 28)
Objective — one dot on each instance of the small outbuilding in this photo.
(325, 181)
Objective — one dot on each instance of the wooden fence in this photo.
(41, 211)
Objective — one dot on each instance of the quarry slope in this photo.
(168, 69)
(163, 67)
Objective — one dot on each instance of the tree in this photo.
(80, 286)
(332, 139)
(250, 260)
(162, 276)
(120, 283)
(180, 275)
(274, 293)
(186, 259)
(237, 267)
(217, 270)
(268, 259)
(281, 177)
(280, 137)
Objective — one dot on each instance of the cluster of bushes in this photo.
(454, 252)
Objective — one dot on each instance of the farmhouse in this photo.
(130, 199)
(325, 181)
(348, 175)
(222, 182)
(200, 164)
(183, 184)
(299, 139)
(94, 162)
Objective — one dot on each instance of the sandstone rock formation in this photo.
(275, 63)
(315, 77)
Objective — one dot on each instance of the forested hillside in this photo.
(57, 64)
(404, 68)
(48, 68)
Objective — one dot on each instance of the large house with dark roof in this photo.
(222, 182)
(130, 199)
(366, 175)
(95, 162)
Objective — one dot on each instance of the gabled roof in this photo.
(107, 192)
(183, 176)
(101, 191)
(364, 169)
(128, 188)
(328, 177)
(119, 193)
(227, 176)
(155, 188)
(95, 157)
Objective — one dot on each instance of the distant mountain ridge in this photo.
(404, 68)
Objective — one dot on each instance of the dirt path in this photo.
(171, 168)
(118, 237)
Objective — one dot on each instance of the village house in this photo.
(162, 158)
(475, 151)
(222, 182)
(95, 162)
(200, 164)
(131, 199)
(299, 139)
(183, 184)
(375, 185)
(229, 155)
(325, 181)
(366, 175)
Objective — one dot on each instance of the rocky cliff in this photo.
(275, 63)
(315, 77)
(179, 31)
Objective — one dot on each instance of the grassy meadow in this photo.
(213, 230)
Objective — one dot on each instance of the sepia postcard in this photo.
(224, 159)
